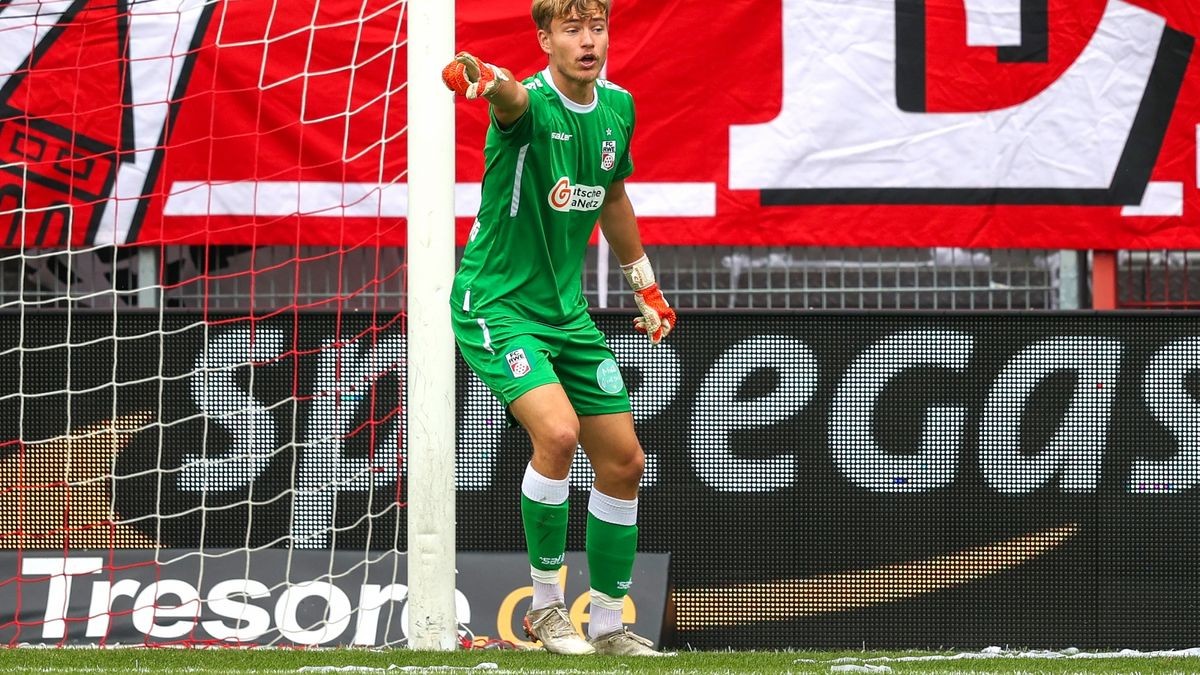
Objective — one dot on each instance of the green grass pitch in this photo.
(271, 660)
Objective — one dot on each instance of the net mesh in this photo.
(179, 465)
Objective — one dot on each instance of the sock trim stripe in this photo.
(543, 576)
(613, 510)
(606, 601)
(545, 490)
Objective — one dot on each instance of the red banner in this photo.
(974, 123)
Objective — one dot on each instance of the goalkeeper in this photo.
(557, 156)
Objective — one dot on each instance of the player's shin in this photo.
(611, 548)
(544, 514)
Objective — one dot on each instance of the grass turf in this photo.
(269, 660)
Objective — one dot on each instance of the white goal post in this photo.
(430, 381)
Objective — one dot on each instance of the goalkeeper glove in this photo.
(657, 317)
(470, 77)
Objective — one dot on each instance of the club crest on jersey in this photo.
(608, 155)
(566, 197)
(517, 363)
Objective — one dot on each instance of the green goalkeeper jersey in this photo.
(544, 182)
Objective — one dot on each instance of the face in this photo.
(577, 46)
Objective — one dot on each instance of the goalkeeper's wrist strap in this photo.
(498, 76)
(639, 273)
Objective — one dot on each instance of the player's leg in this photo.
(616, 456)
(590, 376)
(547, 415)
(513, 361)
(612, 448)
(548, 418)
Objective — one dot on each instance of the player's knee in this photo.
(560, 440)
(629, 469)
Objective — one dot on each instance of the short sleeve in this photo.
(522, 130)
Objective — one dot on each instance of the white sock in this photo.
(544, 490)
(546, 589)
(613, 510)
(545, 595)
(604, 616)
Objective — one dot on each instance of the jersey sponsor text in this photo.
(566, 197)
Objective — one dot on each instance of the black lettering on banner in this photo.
(910, 56)
(1035, 35)
(12, 203)
(54, 219)
(1133, 169)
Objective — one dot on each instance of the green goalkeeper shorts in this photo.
(513, 356)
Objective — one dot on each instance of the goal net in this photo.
(203, 320)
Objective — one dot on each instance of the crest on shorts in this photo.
(608, 155)
(517, 363)
(608, 376)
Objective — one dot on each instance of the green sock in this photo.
(611, 549)
(545, 533)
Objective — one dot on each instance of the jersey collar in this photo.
(571, 105)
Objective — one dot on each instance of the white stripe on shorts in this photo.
(487, 335)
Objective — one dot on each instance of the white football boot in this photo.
(623, 643)
(552, 627)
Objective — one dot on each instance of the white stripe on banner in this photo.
(993, 23)
(1161, 198)
(368, 200)
(673, 199)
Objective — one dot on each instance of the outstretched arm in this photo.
(473, 78)
(509, 100)
(619, 225)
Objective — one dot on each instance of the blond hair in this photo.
(546, 11)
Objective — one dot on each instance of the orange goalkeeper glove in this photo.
(470, 77)
(657, 319)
